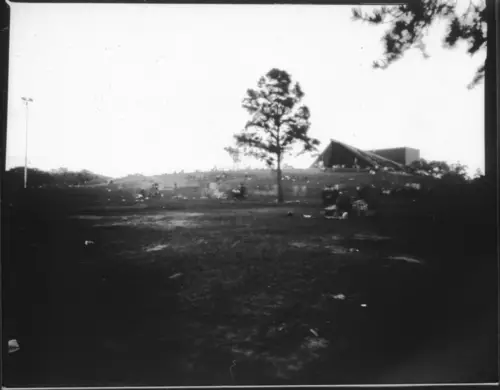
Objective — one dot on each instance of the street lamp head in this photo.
(27, 99)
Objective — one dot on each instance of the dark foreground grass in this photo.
(226, 294)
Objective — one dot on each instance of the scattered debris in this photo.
(298, 244)
(360, 206)
(175, 276)
(314, 332)
(231, 370)
(13, 346)
(408, 259)
(315, 343)
(345, 215)
(282, 327)
(307, 215)
(372, 237)
(364, 305)
(88, 242)
(235, 243)
(156, 248)
(416, 186)
(335, 249)
(339, 297)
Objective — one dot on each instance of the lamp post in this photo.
(26, 101)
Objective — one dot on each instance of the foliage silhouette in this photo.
(409, 23)
(441, 170)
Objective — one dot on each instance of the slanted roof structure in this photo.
(339, 153)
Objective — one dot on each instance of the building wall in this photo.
(401, 155)
(412, 155)
(339, 155)
(396, 154)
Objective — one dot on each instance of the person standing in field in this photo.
(343, 203)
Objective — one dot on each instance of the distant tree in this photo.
(14, 178)
(440, 170)
(60, 171)
(409, 22)
(84, 177)
(278, 122)
(457, 174)
(478, 174)
(435, 169)
(459, 169)
(235, 155)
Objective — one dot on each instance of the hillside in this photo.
(263, 181)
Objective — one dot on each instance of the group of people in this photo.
(343, 202)
(240, 192)
(333, 196)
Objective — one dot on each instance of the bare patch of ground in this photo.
(227, 296)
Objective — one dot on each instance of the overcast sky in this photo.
(122, 89)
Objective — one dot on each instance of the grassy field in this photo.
(210, 293)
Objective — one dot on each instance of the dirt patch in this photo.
(370, 237)
(163, 221)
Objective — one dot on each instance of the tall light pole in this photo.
(26, 101)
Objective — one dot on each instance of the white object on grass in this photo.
(13, 346)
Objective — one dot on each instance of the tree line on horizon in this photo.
(62, 177)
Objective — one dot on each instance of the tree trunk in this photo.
(280, 187)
